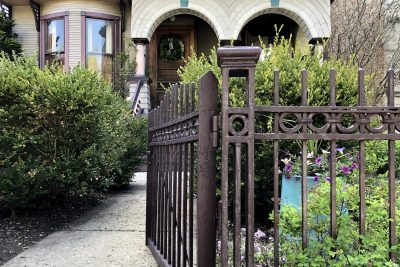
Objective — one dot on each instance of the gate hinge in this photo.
(215, 127)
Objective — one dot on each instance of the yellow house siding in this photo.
(75, 7)
(26, 30)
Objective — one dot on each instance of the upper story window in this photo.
(101, 41)
(54, 39)
(6, 10)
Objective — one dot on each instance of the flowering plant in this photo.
(318, 166)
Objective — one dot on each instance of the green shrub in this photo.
(62, 134)
(290, 62)
(346, 250)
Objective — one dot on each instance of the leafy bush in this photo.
(346, 250)
(62, 134)
(8, 40)
(290, 62)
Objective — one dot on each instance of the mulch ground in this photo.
(32, 225)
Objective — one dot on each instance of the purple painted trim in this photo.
(43, 33)
(96, 15)
(54, 15)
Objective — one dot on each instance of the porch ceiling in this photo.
(26, 2)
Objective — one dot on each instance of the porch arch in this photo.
(144, 24)
(314, 26)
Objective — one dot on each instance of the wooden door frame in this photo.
(153, 50)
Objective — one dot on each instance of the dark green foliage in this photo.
(8, 40)
(62, 134)
(290, 62)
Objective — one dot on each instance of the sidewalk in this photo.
(109, 235)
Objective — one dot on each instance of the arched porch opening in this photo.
(175, 39)
(265, 27)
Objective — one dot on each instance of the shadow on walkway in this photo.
(112, 234)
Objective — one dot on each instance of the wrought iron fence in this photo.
(181, 176)
(241, 62)
(183, 139)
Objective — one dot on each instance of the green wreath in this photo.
(171, 48)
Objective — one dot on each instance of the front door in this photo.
(168, 47)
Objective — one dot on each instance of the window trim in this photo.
(117, 30)
(43, 37)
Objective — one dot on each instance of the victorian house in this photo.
(93, 32)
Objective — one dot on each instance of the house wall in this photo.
(229, 17)
(26, 30)
(75, 7)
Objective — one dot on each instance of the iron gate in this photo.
(177, 129)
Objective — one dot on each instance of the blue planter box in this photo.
(291, 190)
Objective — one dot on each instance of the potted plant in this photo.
(317, 170)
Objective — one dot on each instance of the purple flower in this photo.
(316, 178)
(288, 168)
(259, 234)
(340, 149)
(318, 160)
(354, 166)
(345, 169)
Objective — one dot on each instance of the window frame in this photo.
(44, 22)
(116, 38)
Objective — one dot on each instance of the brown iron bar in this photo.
(206, 182)
(191, 198)
(332, 86)
(276, 172)
(185, 185)
(361, 153)
(176, 121)
(162, 187)
(168, 187)
(174, 182)
(191, 183)
(326, 137)
(304, 164)
(160, 195)
(171, 203)
(250, 176)
(149, 201)
(187, 139)
(157, 193)
(224, 176)
(237, 238)
(180, 146)
(319, 109)
(174, 206)
(185, 198)
(160, 176)
(392, 169)
(166, 181)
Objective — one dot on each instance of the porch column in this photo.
(140, 59)
(141, 98)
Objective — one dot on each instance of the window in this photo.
(54, 39)
(55, 42)
(101, 42)
(6, 10)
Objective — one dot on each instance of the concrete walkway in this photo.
(109, 235)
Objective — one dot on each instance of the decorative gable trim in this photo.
(36, 13)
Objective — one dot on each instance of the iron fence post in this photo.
(206, 202)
